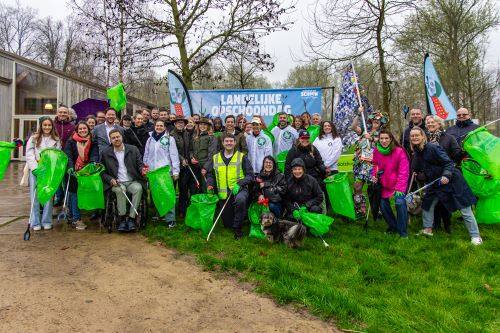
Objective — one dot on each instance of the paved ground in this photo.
(68, 281)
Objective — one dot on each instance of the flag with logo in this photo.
(180, 102)
(437, 102)
(347, 106)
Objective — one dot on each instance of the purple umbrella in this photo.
(89, 106)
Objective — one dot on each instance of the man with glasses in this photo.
(463, 126)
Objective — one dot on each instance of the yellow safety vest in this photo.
(227, 176)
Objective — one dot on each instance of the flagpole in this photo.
(359, 97)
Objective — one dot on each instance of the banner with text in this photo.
(254, 102)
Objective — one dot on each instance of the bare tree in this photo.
(17, 29)
(49, 41)
(345, 30)
(202, 30)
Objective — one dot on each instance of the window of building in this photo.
(36, 92)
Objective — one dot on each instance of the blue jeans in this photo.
(46, 218)
(401, 223)
(73, 206)
(276, 209)
(170, 216)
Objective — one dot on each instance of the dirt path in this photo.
(91, 282)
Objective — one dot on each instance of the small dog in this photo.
(291, 233)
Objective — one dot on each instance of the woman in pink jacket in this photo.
(391, 168)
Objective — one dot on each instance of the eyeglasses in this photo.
(462, 115)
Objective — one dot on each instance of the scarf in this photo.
(434, 137)
(83, 147)
(385, 151)
(157, 136)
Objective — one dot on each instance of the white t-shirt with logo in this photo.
(284, 138)
(258, 147)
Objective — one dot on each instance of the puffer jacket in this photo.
(396, 170)
(314, 164)
(65, 129)
(33, 152)
(303, 191)
(274, 184)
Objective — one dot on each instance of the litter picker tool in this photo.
(218, 217)
(62, 215)
(27, 233)
(410, 195)
(130, 202)
(196, 179)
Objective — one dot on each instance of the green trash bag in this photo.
(117, 97)
(5, 150)
(340, 195)
(254, 212)
(50, 172)
(488, 209)
(162, 189)
(217, 134)
(200, 213)
(269, 134)
(313, 131)
(485, 149)
(90, 191)
(281, 160)
(318, 223)
(480, 182)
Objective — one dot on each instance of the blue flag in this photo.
(346, 108)
(437, 101)
(180, 102)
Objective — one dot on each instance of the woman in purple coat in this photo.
(391, 168)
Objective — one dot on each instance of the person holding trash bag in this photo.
(391, 168)
(329, 146)
(201, 152)
(45, 137)
(81, 150)
(271, 185)
(304, 149)
(233, 174)
(259, 145)
(285, 135)
(186, 182)
(450, 187)
(124, 172)
(160, 151)
(302, 189)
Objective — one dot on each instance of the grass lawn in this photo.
(366, 281)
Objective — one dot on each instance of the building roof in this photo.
(60, 73)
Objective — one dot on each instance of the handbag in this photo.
(414, 200)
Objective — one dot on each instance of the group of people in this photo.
(235, 159)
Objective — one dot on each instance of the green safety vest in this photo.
(227, 176)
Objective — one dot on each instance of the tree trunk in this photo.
(180, 36)
(381, 62)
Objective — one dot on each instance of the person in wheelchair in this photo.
(124, 173)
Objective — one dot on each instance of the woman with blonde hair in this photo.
(45, 137)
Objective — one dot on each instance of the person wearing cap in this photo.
(302, 190)
(284, 134)
(259, 145)
(201, 152)
(183, 143)
(230, 128)
(232, 173)
(305, 150)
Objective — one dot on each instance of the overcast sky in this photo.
(285, 47)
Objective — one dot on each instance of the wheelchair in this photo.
(109, 217)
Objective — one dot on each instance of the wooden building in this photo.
(29, 90)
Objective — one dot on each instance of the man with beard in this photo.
(284, 134)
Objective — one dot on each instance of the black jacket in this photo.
(451, 147)
(133, 163)
(303, 191)
(314, 164)
(136, 136)
(434, 163)
(461, 129)
(72, 151)
(183, 143)
(404, 139)
(274, 185)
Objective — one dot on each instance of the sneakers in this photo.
(79, 225)
(172, 224)
(47, 226)
(123, 226)
(131, 224)
(476, 241)
(37, 228)
(238, 236)
(426, 233)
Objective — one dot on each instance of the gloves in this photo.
(236, 189)
(210, 190)
(296, 215)
(399, 194)
(70, 171)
